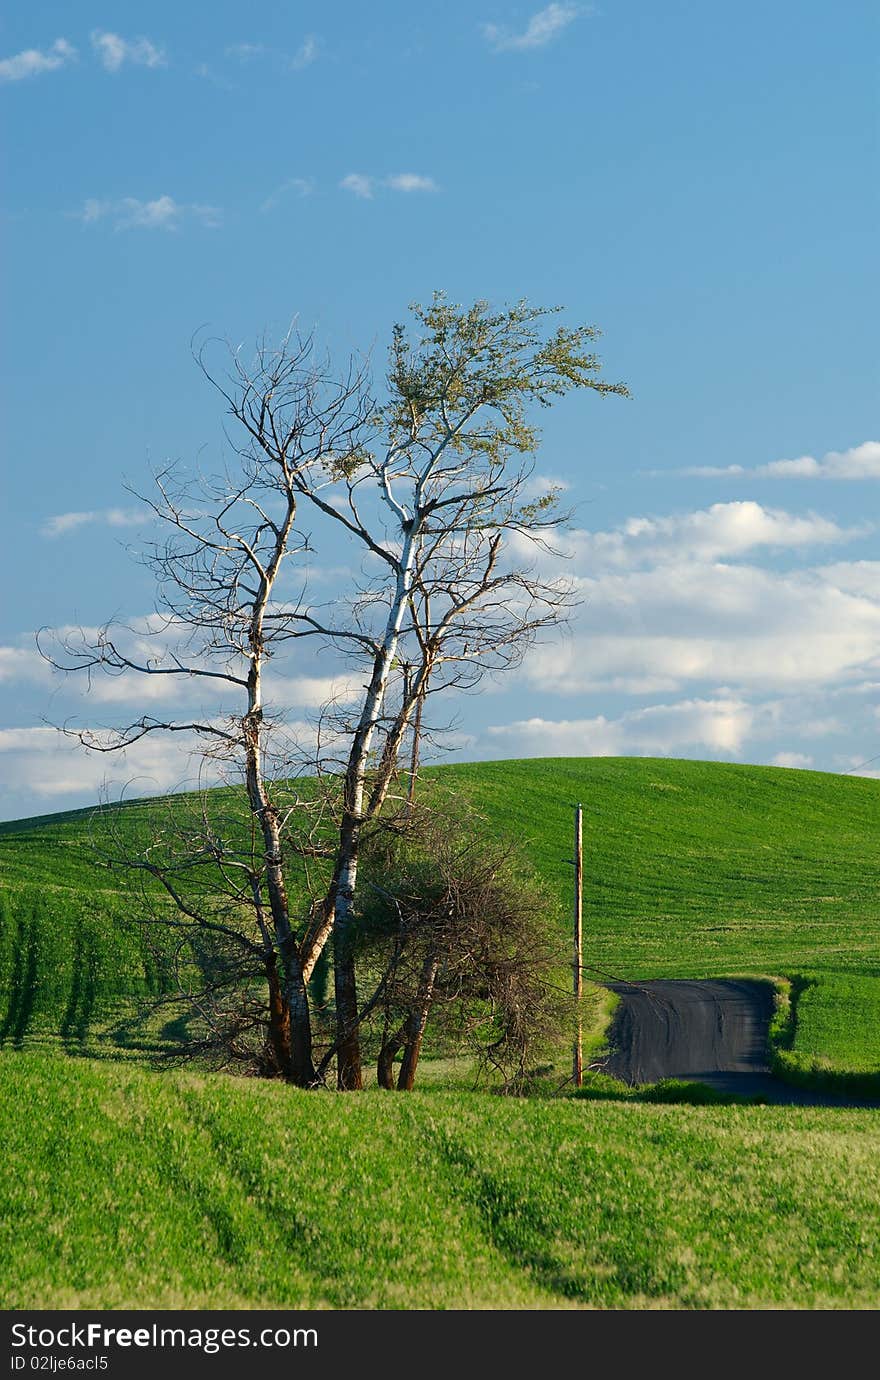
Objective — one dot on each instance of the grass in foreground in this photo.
(123, 1188)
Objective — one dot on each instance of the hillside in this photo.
(126, 1188)
(692, 869)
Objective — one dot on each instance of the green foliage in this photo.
(675, 1091)
(467, 362)
(447, 900)
(122, 1188)
(678, 1092)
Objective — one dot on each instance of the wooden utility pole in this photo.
(577, 966)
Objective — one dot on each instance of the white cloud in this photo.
(541, 29)
(312, 692)
(18, 664)
(32, 62)
(307, 53)
(724, 531)
(670, 606)
(856, 577)
(131, 687)
(297, 186)
(721, 725)
(359, 183)
(805, 467)
(50, 764)
(211, 217)
(92, 210)
(859, 462)
(655, 631)
(410, 182)
(670, 603)
(154, 639)
(110, 517)
(115, 51)
(364, 184)
(792, 759)
(704, 471)
(542, 484)
(162, 213)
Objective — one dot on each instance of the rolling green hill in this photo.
(692, 869)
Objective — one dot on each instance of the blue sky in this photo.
(696, 179)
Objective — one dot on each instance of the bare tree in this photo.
(432, 487)
(219, 621)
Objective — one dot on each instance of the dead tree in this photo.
(218, 622)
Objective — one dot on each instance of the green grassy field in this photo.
(692, 869)
(698, 869)
(131, 1188)
(127, 1187)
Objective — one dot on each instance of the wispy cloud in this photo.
(207, 73)
(540, 485)
(33, 61)
(114, 51)
(162, 213)
(307, 53)
(410, 182)
(365, 185)
(60, 523)
(541, 29)
(313, 692)
(358, 183)
(294, 186)
(859, 462)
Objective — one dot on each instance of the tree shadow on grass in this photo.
(22, 984)
(81, 1002)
